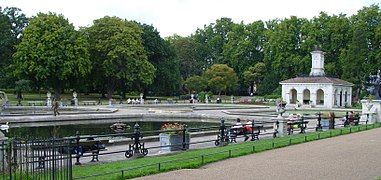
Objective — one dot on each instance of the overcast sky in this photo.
(183, 17)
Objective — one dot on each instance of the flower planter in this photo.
(173, 142)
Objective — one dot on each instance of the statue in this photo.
(375, 83)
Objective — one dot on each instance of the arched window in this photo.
(306, 96)
(320, 97)
(293, 96)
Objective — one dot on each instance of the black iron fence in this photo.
(35, 159)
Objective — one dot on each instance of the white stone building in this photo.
(317, 90)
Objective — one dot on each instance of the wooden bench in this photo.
(291, 125)
(89, 102)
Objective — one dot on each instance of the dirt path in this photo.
(353, 156)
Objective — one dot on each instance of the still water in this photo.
(89, 129)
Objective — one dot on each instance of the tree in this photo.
(196, 83)
(254, 75)
(118, 54)
(12, 24)
(221, 78)
(51, 51)
(22, 86)
(162, 55)
(188, 56)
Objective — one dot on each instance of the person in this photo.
(55, 107)
(332, 120)
(351, 117)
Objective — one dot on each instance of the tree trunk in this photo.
(19, 95)
(110, 88)
(251, 88)
(57, 93)
(110, 92)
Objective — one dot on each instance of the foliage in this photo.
(22, 85)
(196, 83)
(221, 78)
(118, 54)
(162, 55)
(51, 51)
(202, 94)
(12, 24)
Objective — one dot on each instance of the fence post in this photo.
(273, 145)
(289, 141)
(319, 135)
(184, 143)
(230, 153)
(78, 149)
(318, 127)
(330, 133)
(341, 131)
(350, 129)
(253, 149)
(122, 174)
(158, 166)
(202, 159)
(305, 138)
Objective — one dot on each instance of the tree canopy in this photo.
(51, 51)
(221, 78)
(118, 54)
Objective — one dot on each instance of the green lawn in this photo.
(197, 158)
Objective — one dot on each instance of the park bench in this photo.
(293, 124)
(87, 146)
(35, 103)
(89, 102)
(244, 130)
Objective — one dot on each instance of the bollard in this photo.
(184, 143)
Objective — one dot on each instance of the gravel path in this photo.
(353, 156)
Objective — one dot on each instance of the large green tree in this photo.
(254, 75)
(118, 54)
(196, 83)
(51, 52)
(162, 55)
(188, 56)
(221, 78)
(12, 23)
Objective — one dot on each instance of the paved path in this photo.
(354, 156)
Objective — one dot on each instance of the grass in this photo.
(197, 158)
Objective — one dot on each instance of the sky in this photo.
(183, 17)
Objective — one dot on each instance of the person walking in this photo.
(55, 107)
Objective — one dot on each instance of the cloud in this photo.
(183, 17)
